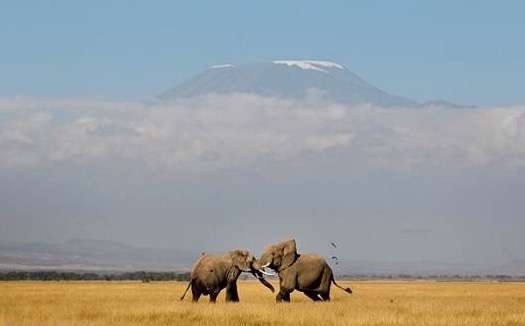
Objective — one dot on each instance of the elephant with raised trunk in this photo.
(308, 273)
(212, 273)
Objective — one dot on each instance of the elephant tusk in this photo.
(266, 273)
(264, 266)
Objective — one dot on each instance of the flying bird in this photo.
(333, 244)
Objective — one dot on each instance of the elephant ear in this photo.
(289, 253)
(240, 259)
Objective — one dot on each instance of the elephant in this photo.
(308, 273)
(212, 273)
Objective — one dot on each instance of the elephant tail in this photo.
(348, 290)
(189, 285)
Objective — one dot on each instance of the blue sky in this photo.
(469, 52)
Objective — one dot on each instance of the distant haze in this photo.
(224, 171)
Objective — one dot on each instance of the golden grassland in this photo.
(373, 303)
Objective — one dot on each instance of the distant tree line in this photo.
(145, 276)
(92, 276)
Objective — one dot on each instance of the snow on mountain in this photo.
(310, 64)
(227, 65)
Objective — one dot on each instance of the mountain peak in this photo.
(291, 79)
(310, 64)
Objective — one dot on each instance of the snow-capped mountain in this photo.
(288, 79)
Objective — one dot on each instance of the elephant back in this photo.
(209, 264)
(311, 263)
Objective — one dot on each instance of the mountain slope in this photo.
(288, 79)
(87, 254)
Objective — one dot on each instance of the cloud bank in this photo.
(214, 132)
(217, 172)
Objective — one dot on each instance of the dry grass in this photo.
(373, 303)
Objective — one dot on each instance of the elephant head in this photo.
(279, 256)
(246, 262)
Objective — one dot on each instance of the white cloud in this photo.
(217, 132)
(100, 168)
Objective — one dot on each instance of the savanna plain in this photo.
(373, 303)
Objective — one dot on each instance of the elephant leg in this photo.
(312, 295)
(195, 293)
(287, 283)
(232, 295)
(283, 295)
(213, 295)
(325, 296)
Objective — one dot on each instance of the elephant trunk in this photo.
(257, 266)
(258, 272)
(263, 281)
